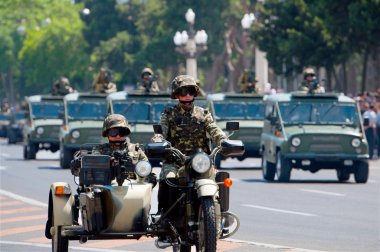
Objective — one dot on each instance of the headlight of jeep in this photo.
(40, 130)
(143, 168)
(75, 134)
(201, 163)
(296, 141)
(355, 142)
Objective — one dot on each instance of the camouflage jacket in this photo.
(105, 87)
(188, 130)
(134, 151)
(60, 89)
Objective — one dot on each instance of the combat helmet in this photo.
(308, 71)
(146, 70)
(115, 121)
(183, 81)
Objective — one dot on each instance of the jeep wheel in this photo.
(283, 168)
(343, 174)
(65, 158)
(268, 169)
(361, 173)
(31, 150)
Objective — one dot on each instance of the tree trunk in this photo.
(364, 70)
(344, 82)
(3, 78)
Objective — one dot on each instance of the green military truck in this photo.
(83, 118)
(313, 132)
(43, 122)
(16, 126)
(248, 110)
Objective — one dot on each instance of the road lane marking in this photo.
(19, 230)
(267, 245)
(23, 199)
(10, 203)
(24, 218)
(20, 210)
(279, 210)
(323, 192)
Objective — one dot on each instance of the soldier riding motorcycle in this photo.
(197, 201)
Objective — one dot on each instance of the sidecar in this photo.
(101, 209)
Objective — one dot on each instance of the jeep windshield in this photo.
(319, 113)
(239, 110)
(141, 112)
(46, 110)
(85, 110)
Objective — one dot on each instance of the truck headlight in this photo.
(143, 168)
(75, 134)
(40, 130)
(296, 141)
(355, 142)
(201, 162)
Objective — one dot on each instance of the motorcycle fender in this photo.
(206, 187)
(62, 205)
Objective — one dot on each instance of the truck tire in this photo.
(283, 168)
(361, 172)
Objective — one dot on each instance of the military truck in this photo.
(313, 132)
(248, 110)
(83, 118)
(42, 127)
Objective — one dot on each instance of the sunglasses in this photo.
(117, 132)
(186, 91)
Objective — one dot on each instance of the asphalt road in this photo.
(313, 212)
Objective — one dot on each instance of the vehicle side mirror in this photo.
(232, 126)
(157, 128)
(232, 148)
(366, 122)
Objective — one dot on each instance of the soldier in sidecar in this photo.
(113, 195)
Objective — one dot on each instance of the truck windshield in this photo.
(238, 110)
(319, 113)
(86, 110)
(46, 110)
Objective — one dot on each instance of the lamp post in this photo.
(191, 43)
(261, 63)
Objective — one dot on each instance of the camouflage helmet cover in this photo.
(115, 121)
(64, 81)
(308, 71)
(146, 70)
(183, 81)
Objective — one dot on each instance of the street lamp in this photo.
(191, 43)
(246, 23)
(261, 63)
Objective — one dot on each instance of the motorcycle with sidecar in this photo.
(197, 198)
(114, 201)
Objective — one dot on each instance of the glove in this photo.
(152, 178)
(157, 138)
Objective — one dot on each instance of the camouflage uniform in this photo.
(103, 82)
(131, 150)
(151, 82)
(313, 83)
(62, 87)
(248, 83)
(188, 130)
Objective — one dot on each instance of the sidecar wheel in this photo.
(59, 243)
(207, 225)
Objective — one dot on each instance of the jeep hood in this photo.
(85, 124)
(46, 122)
(321, 129)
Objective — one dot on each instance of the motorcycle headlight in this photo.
(143, 168)
(296, 141)
(201, 163)
(75, 134)
(40, 130)
(355, 142)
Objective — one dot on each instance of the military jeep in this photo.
(16, 126)
(83, 118)
(4, 122)
(43, 123)
(248, 109)
(313, 132)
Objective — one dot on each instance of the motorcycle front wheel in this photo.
(206, 226)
